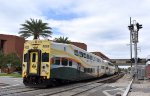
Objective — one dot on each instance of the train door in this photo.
(79, 67)
(98, 71)
(33, 65)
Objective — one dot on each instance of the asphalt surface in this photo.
(6, 82)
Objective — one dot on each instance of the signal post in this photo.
(134, 29)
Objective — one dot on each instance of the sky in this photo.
(101, 24)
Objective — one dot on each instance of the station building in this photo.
(11, 44)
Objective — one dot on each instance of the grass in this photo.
(15, 75)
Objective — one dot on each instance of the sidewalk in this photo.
(142, 88)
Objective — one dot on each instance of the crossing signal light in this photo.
(132, 60)
(131, 27)
(139, 60)
(139, 26)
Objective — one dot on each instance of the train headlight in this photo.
(23, 65)
(43, 67)
(47, 65)
(33, 66)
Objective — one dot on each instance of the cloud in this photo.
(101, 24)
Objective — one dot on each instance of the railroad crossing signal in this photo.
(130, 27)
(134, 29)
(139, 26)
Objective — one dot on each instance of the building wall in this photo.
(12, 44)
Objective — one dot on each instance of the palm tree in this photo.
(62, 40)
(35, 28)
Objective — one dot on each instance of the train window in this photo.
(97, 60)
(84, 55)
(94, 58)
(85, 70)
(70, 63)
(57, 61)
(64, 48)
(45, 57)
(89, 70)
(91, 57)
(64, 62)
(76, 52)
(93, 70)
(81, 54)
(33, 57)
(102, 67)
(100, 60)
(25, 57)
(88, 57)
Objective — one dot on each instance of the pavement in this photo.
(140, 88)
(8, 81)
(111, 89)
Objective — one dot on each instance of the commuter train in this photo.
(46, 62)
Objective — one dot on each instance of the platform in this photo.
(140, 88)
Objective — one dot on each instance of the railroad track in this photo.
(82, 88)
(66, 90)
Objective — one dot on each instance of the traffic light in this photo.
(139, 26)
(131, 27)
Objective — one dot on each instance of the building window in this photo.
(64, 62)
(2, 44)
(45, 57)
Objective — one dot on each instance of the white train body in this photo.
(50, 61)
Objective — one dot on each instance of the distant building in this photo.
(80, 45)
(101, 55)
(11, 44)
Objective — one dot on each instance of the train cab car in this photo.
(46, 62)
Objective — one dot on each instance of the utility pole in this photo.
(130, 44)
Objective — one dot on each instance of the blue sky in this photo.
(101, 24)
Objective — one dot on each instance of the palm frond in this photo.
(35, 28)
